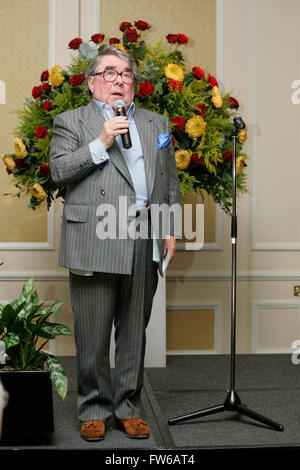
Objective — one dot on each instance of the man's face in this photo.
(109, 92)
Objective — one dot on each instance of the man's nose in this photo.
(119, 80)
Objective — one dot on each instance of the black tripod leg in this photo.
(197, 414)
(243, 409)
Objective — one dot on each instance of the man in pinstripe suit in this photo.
(113, 278)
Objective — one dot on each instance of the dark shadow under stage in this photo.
(268, 384)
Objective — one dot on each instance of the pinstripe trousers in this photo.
(98, 301)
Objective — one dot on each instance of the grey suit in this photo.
(125, 277)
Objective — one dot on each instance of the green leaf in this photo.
(50, 330)
(140, 52)
(28, 287)
(47, 311)
(158, 87)
(58, 376)
(11, 340)
(8, 316)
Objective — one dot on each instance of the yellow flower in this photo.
(20, 149)
(183, 159)
(216, 100)
(240, 163)
(195, 126)
(9, 161)
(37, 191)
(174, 72)
(55, 75)
(242, 135)
(121, 47)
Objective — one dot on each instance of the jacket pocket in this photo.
(76, 212)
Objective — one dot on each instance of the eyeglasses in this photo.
(111, 75)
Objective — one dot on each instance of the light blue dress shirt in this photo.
(133, 157)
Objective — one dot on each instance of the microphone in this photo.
(120, 108)
(239, 123)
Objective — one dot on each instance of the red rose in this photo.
(40, 132)
(182, 39)
(44, 76)
(132, 35)
(97, 38)
(37, 92)
(114, 41)
(201, 109)
(47, 105)
(198, 73)
(142, 25)
(178, 122)
(172, 38)
(125, 25)
(19, 163)
(46, 87)
(145, 89)
(212, 81)
(75, 43)
(233, 103)
(227, 156)
(76, 79)
(195, 158)
(44, 169)
(175, 84)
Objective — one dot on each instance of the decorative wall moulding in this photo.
(241, 276)
(217, 308)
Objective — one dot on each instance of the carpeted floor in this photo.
(267, 384)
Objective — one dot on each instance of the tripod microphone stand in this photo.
(232, 401)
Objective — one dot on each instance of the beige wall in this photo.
(24, 55)
(254, 53)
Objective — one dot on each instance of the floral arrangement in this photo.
(201, 116)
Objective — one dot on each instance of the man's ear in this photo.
(91, 84)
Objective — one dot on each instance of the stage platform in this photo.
(267, 384)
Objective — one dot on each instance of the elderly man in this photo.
(113, 276)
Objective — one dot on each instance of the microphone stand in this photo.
(232, 401)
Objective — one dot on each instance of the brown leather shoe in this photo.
(93, 430)
(133, 427)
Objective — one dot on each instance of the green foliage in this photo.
(22, 323)
(192, 96)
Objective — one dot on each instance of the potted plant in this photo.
(26, 370)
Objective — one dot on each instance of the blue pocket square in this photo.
(163, 140)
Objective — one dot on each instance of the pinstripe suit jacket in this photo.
(89, 185)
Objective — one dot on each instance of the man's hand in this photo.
(112, 128)
(170, 245)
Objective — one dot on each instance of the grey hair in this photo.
(112, 50)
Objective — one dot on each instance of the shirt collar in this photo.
(103, 106)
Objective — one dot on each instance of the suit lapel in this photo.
(93, 122)
(146, 129)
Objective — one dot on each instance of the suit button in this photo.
(102, 192)
(165, 197)
(137, 214)
(102, 158)
(161, 172)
